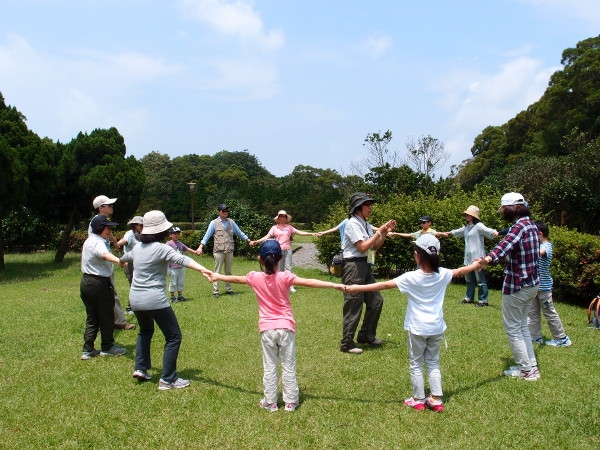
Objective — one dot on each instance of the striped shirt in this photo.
(521, 247)
(544, 267)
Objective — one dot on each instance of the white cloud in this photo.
(475, 100)
(377, 45)
(62, 94)
(235, 18)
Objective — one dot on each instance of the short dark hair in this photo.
(514, 212)
(542, 227)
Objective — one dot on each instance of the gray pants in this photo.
(118, 310)
(515, 308)
(222, 259)
(543, 304)
(279, 346)
(425, 349)
(359, 272)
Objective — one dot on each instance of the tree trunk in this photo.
(63, 245)
(1, 247)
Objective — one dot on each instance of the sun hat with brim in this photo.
(270, 247)
(283, 213)
(99, 222)
(136, 220)
(472, 211)
(357, 199)
(429, 243)
(155, 222)
(103, 200)
(510, 199)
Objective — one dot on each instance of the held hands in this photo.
(214, 276)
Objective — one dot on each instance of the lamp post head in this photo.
(192, 185)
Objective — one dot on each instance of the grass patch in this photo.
(52, 399)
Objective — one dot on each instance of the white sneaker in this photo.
(564, 342)
(292, 289)
(177, 384)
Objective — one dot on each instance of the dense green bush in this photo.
(25, 232)
(576, 265)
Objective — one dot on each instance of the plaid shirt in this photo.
(521, 247)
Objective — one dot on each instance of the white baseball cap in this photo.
(429, 243)
(103, 200)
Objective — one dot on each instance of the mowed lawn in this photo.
(49, 398)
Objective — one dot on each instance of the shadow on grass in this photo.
(20, 268)
(194, 376)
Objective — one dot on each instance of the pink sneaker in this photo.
(419, 405)
(435, 405)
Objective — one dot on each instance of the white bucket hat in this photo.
(155, 222)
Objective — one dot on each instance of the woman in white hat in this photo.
(282, 231)
(473, 232)
(149, 300)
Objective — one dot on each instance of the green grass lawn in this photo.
(52, 399)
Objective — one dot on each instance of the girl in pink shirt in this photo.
(276, 322)
(282, 232)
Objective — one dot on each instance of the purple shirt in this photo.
(179, 247)
(521, 247)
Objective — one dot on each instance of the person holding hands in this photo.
(473, 233)
(276, 322)
(358, 257)
(424, 320)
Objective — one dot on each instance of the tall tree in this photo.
(13, 181)
(91, 165)
(426, 154)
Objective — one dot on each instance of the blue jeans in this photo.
(476, 277)
(167, 322)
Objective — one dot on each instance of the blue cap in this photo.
(270, 247)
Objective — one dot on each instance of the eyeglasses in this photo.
(226, 211)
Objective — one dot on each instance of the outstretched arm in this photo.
(215, 276)
(200, 268)
(261, 240)
(477, 264)
(354, 288)
(313, 283)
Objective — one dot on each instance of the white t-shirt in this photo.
(356, 230)
(425, 291)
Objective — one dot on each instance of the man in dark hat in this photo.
(223, 228)
(359, 244)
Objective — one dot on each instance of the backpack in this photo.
(335, 268)
(594, 312)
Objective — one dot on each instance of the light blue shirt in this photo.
(211, 230)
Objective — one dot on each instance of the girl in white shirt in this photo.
(424, 321)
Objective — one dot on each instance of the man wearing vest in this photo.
(223, 228)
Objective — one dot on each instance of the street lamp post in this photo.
(192, 186)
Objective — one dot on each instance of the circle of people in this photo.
(526, 290)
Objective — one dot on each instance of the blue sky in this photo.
(292, 82)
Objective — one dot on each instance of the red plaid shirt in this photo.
(521, 247)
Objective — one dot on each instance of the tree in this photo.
(378, 153)
(13, 182)
(91, 165)
(426, 154)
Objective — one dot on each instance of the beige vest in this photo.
(223, 238)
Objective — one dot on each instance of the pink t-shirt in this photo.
(283, 235)
(274, 308)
